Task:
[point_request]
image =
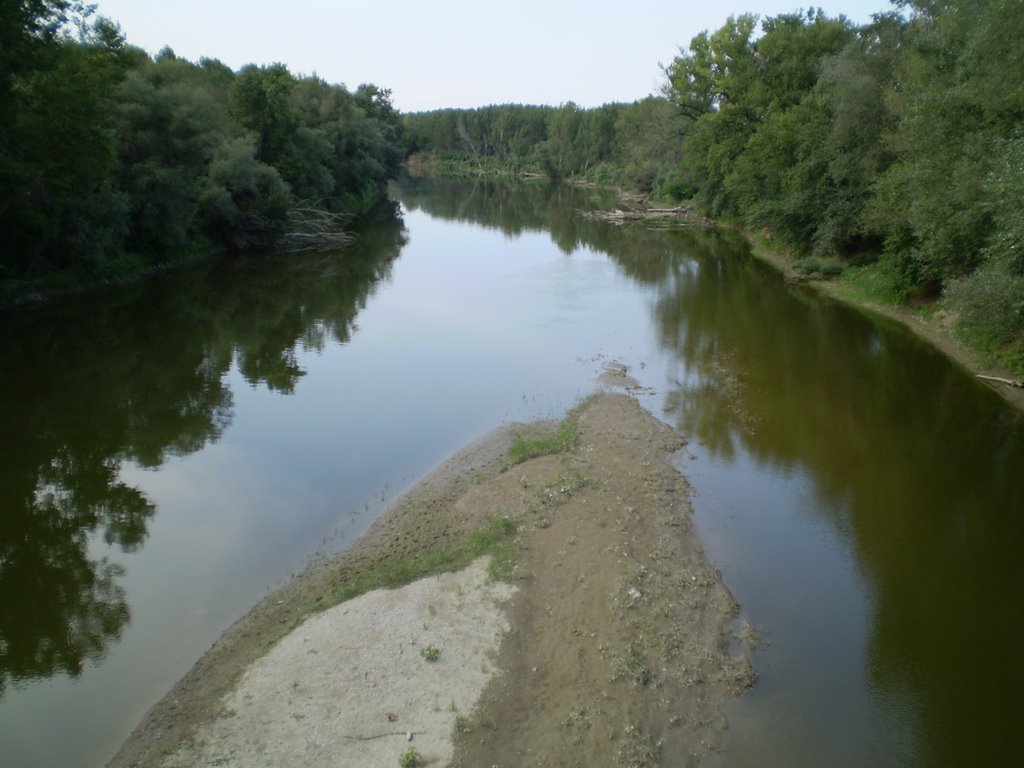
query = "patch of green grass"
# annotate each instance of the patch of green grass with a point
(494, 539)
(868, 283)
(430, 652)
(553, 495)
(813, 265)
(532, 442)
(462, 724)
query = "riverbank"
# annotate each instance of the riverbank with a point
(612, 641)
(935, 325)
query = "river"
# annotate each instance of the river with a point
(175, 449)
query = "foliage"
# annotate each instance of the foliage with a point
(112, 161)
(619, 144)
(533, 443)
(989, 305)
(896, 142)
(811, 265)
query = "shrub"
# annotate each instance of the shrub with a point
(812, 264)
(410, 758)
(989, 310)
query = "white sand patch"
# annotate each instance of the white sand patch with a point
(347, 686)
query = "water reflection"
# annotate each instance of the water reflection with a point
(513, 207)
(912, 463)
(137, 376)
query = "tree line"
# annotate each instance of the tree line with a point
(637, 145)
(112, 161)
(893, 149)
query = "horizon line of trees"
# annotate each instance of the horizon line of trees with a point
(112, 161)
(637, 145)
(896, 146)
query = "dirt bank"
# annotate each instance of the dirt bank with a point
(612, 644)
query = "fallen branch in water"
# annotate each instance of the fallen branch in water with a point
(316, 229)
(1017, 383)
(619, 216)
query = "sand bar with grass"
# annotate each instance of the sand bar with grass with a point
(540, 599)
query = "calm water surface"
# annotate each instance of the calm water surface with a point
(174, 450)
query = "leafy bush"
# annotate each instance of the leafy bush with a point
(410, 758)
(812, 265)
(989, 308)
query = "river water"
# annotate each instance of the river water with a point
(173, 450)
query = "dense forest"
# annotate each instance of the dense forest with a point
(892, 150)
(112, 162)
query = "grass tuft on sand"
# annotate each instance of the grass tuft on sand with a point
(495, 539)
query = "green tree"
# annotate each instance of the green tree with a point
(562, 153)
(169, 123)
(261, 104)
(713, 83)
(58, 206)
(649, 140)
(244, 201)
(779, 179)
(961, 96)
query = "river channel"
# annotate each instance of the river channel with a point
(174, 450)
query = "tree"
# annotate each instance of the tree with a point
(169, 124)
(244, 201)
(713, 84)
(961, 96)
(58, 206)
(260, 104)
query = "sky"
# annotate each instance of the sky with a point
(452, 53)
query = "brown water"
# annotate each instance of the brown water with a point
(173, 450)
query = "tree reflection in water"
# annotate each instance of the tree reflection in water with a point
(138, 375)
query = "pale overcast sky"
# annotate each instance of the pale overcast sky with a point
(452, 53)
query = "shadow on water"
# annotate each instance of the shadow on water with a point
(138, 376)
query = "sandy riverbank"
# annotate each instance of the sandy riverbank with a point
(612, 644)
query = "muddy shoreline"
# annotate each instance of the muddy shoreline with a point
(615, 642)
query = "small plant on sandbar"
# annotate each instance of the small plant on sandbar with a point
(430, 652)
(410, 758)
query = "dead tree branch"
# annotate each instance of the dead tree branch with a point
(1017, 383)
(314, 228)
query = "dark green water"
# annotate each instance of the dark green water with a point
(174, 450)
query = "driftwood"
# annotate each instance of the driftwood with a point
(1016, 383)
(407, 734)
(312, 228)
(664, 216)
